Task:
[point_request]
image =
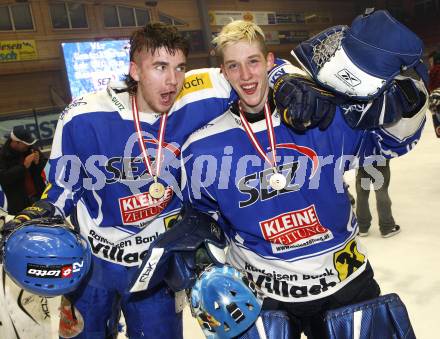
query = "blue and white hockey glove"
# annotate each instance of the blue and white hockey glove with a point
(403, 99)
(302, 104)
(360, 62)
(177, 255)
(365, 67)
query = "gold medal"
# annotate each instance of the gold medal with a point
(156, 190)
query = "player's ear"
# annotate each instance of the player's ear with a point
(270, 60)
(222, 69)
(134, 71)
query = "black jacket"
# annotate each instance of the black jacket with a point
(12, 177)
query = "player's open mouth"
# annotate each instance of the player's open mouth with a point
(249, 88)
(167, 98)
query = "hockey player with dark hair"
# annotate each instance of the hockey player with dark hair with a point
(118, 179)
(281, 199)
(117, 199)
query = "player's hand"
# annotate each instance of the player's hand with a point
(402, 99)
(6, 229)
(302, 104)
(11, 225)
(41, 209)
(175, 256)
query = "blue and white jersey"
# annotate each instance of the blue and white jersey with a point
(298, 243)
(96, 164)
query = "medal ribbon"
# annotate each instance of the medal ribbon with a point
(270, 133)
(146, 158)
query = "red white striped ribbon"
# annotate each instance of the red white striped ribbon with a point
(147, 161)
(270, 133)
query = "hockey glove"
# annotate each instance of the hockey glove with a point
(403, 99)
(177, 255)
(41, 209)
(302, 104)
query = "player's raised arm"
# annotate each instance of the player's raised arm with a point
(373, 77)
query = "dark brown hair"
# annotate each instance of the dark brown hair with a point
(152, 37)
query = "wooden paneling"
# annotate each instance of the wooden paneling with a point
(340, 12)
(27, 91)
(185, 10)
(17, 78)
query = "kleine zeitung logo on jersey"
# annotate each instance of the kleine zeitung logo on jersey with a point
(295, 228)
(143, 206)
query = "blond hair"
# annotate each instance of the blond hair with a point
(236, 31)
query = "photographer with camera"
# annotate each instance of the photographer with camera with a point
(21, 164)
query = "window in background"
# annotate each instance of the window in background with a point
(68, 15)
(16, 17)
(122, 16)
(169, 20)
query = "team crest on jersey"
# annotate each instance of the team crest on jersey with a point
(140, 208)
(348, 260)
(294, 229)
(170, 220)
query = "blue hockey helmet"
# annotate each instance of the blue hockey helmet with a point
(46, 257)
(224, 302)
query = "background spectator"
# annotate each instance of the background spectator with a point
(434, 70)
(364, 178)
(434, 89)
(21, 165)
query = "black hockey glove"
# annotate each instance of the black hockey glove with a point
(41, 209)
(177, 255)
(302, 104)
(401, 100)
